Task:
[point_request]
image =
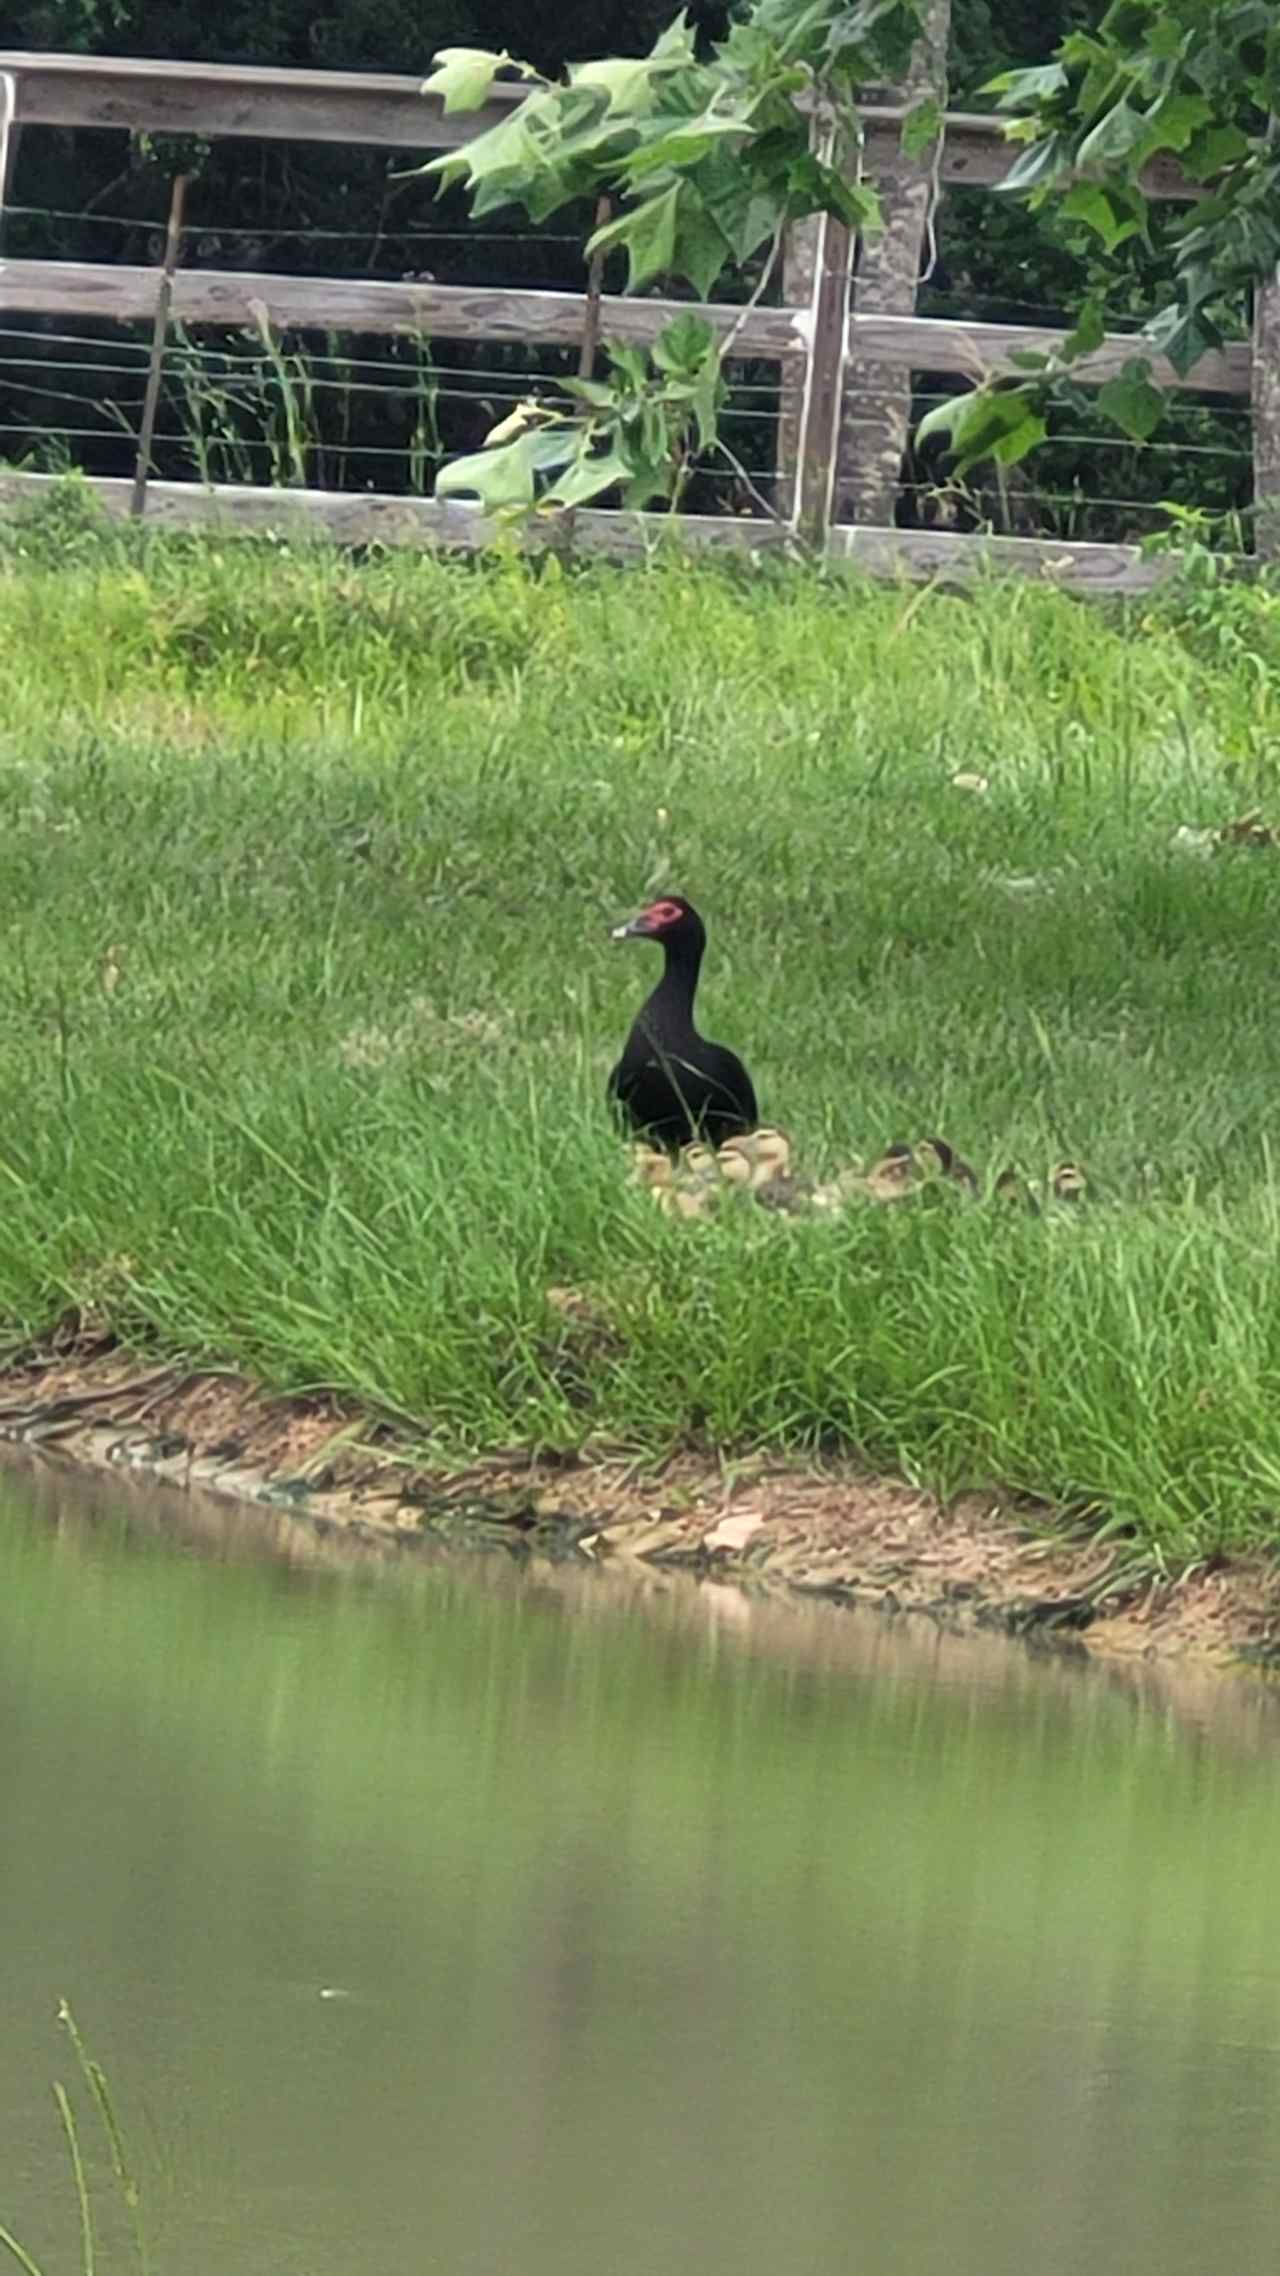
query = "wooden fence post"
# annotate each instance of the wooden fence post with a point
(1265, 394)
(9, 134)
(877, 413)
(172, 248)
(800, 253)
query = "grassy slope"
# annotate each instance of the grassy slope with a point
(354, 837)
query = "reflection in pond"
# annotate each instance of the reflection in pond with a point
(463, 1921)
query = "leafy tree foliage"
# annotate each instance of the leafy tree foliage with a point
(1195, 79)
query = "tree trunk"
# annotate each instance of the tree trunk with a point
(877, 407)
(1265, 389)
(800, 254)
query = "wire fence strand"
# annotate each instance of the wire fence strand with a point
(239, 399)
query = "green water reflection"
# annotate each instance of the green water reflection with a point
(656, 1950)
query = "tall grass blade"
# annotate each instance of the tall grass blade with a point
(69, 2128)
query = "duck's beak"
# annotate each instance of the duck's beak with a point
(635, 928)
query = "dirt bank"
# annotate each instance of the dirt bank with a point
(831, 1533)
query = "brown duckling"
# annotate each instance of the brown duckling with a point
(1011, 1189)
(936, 1158)
(903, 1170)
(893, 1176)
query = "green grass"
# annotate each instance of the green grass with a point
(352, 836)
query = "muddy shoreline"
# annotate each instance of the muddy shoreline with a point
(830, 1534)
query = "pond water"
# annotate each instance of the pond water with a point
(452, 1920)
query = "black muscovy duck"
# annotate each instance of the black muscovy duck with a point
(671, 1086)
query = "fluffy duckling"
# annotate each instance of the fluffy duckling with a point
(834, 1194)
(755, 1156)
(650, 1169)
(759, 1163)
(775, 1185)
(695, 1186)
(683, 1185)
(893, 1177)
(1012, 1190)
(937, 1159)
(903, 1170)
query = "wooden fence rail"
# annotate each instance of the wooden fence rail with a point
(814, 337)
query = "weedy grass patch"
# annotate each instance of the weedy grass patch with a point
(306, 872)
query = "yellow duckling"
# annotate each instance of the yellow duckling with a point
(759, 1162)
(684, 1186)
(694, 1187)
(651, 1169)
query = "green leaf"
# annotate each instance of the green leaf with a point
(650, 482)
(683, 345)
(1081, 49)
(1090, 332)
(1037, 164)
(676, 43)
(1133, 403)
(507, 149)
(942, 419)
(626, 82)
(1116, 137)
(653, 432)
(1101, 211)
(1017, 441)
(706, 402)
(464, 75)
(921, 127)
(702, 250)
(1164, 38)
(628, 362)
(1173, 122)
(590, 391)
(987, 423)
(742, 194)
(1213, 148)
(682, 145)
(631, 84)
(505, 478)
(813, 187)
(855, 203)
(648, 232)
(589, 477)
(1020, 90)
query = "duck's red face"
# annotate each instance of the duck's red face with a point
(660, 918)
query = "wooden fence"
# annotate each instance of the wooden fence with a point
(820, 337)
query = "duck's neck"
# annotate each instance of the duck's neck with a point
(669, 1009)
